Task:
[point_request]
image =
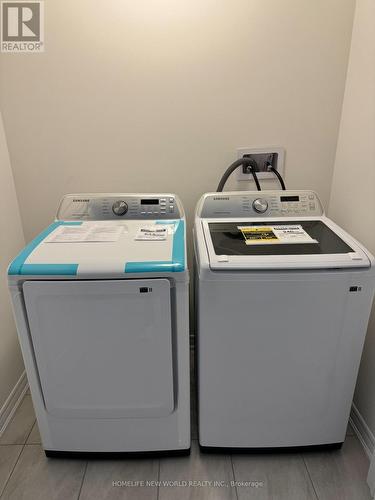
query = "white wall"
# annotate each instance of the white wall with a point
(153, 95)
(11, 242)
(352, 202)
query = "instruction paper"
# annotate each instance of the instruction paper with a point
(155, 232)
(275, 234)
(85, 233)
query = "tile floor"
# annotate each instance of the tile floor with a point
(25, 472)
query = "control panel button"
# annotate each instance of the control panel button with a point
(260, 205)
(120, 207)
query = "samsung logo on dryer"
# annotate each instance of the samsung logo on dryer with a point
(81, 201)
(221, 198)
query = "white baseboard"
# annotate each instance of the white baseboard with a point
(362, 431)
(12, 402)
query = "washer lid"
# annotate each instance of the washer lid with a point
(126, 252)
(287, 243)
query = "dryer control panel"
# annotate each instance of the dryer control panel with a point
(260, 204)
(116, 206)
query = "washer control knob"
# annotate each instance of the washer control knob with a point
(260, 205)
(120, 207)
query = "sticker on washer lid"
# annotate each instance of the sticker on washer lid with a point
(275, 234)
(87, 232)
(156, 232)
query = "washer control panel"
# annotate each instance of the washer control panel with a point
(119, 206)
(260, 204)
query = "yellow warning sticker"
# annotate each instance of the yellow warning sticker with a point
(264, 235)
(257, 234)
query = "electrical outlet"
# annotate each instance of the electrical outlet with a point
(263, 157)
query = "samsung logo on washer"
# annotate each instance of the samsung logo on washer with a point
(81, 201)
(221, 198)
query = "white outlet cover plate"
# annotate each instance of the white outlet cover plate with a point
(262, 175)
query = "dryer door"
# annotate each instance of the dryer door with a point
(103, 349)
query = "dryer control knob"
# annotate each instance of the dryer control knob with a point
(260, 205)
(119, 207)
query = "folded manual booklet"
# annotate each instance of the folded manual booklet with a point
(265, 235)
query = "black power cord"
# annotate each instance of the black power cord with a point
(280, 179)
(245, 162)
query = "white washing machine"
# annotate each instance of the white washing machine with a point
(100, 300)
(283, 298)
